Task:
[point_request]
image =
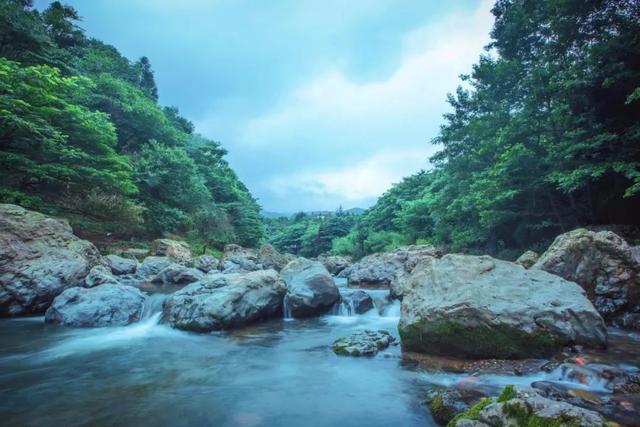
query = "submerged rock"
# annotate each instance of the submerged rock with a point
(177, 274)
(237, 259)
(363, 343)
(480, 307)
(177, 250)
(104, 305)
(335, 264)
(99, 275)
(604, 265)
(120, 265)
(39, 258)
(310, 288)
(528, 259)
(225, 301)
(206, 263)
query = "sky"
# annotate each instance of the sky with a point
(320, 103)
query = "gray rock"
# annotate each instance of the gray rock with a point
(388, 269)
(451, 402)
(152, 265)
(206, 263)
(177, 274)
(99, 275)
(528, 259)
(39, 258)
(335, 264)
(134, 254)
(359, 300)
(120, 265)
(363, 343)
(603, 264)
(310, 288)
(477, 306)
(269, 257)
(225, 301)
(104, 305)
(237, 259)
(178, 251)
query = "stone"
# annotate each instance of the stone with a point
(335, 264)
(237, 259)
(120, 265)
(363, 343)
(135, 254)
(310, 288)
(604, 265)
(206, 263)
(480, 307)
(152, 265)
(40, 257)
(225, 301)
(103, 305)
(528, 259)
(178, 251)
(99, 275)
(177, 274)
(359, 300)
(451, 402)
(269, 257)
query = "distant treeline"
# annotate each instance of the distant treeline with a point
(82, 135)
(544, 136)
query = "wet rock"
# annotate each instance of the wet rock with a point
(310, 288)
(269, 257)
(335, 264)
(177, 274)
(480, 307)
(99, 275)
(388, 269)
(528, 259)
(152, 265)
(226, 301)
(177, 250)
(629, 385)
(451, 402)
(120, 265)
(206, 263)
(604, 265)
(237, 259)
(363, 343)
(39, 258)
(104, 305)
(359, 300)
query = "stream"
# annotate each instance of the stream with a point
(282, 372)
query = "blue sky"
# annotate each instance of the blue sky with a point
(320, 103)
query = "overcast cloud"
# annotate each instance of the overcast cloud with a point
(320, 103)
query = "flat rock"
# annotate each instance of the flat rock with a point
(363, 343)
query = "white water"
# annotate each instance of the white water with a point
(286, 309)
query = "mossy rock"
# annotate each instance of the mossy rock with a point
(363, 343)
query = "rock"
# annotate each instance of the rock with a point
(359, 301)
(104, 305)
(451, 402)
(152, 265)
(603, 264)
(237, 259)
(525, 407)
(269, 257)
(528, 259)
(635, 251)
(134, 254)
(99, 275)
(480, 307)
(363, 343)
(177, 274)
(629, 385)
(206, 263)
(177, 250)
(310, 288)
(225, 301)
(120, 266)
(335, 264)
(39, 258)
(388, 269)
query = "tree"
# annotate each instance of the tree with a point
(147, 82)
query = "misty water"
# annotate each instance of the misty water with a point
(281, 372)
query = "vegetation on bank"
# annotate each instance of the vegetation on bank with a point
(82, 136)
(544, 137)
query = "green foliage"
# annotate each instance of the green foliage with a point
(508, 393)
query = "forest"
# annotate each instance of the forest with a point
(82, 136)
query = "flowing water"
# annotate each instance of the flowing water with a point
(276, 373)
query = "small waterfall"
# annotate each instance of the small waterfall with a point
(344, 307)
(286, 310)
(152, 305)
(391, 310)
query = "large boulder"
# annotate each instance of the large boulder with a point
(335, 264)
(177, 274)
(225, 301)
(237, 259)
(480, 307)
(605, 266)
(104, 305)
(269, 257)
(387, 269)
(120, 265)
(177, 250)
(310, 288)
(39, 258)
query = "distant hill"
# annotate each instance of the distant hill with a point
(271, 214)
